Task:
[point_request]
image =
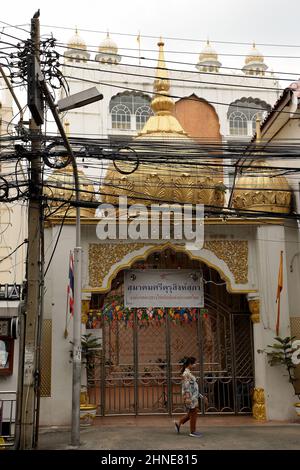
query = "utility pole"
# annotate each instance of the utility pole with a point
(28, 395)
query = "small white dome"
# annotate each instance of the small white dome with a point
(108, 51)
(76, 42)
(208, 59)
(254, 55)
(108, 46)
(208, 53)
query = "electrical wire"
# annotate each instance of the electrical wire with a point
(15, 26)
(57, 239)
(174, 38)
(19, 246)
(183, 52)
(139, 90)
(171, 79)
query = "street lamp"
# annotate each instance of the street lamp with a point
(79, 99)
(74, 101)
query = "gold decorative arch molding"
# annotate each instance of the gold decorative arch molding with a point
(228, 257)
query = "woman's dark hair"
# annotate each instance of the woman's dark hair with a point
(188, 361)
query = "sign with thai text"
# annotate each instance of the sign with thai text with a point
(163, 288)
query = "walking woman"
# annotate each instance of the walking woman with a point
(190, 394)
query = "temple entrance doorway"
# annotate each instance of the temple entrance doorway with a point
(143, 349)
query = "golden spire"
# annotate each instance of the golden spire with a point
(163, 123)
(162, 104)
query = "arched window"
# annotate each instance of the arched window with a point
(142, 115)
(238, 123)
(136, 106)
(242, 114)
(120, 117)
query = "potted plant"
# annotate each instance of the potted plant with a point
(91, 351)
(285, 352)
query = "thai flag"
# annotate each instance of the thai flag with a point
(71, 284)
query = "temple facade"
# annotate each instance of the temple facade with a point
(142, 344)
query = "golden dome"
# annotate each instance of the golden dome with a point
(260, 191)
(254, 56)
(76, 42)
(150, 184)
(108, 46)
(60, 184)
(164, 182)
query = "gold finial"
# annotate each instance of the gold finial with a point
(162, 104)
(258, 131)
(67, 128)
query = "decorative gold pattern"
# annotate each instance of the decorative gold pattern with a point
(254, 309)
(154, 187)
(85, 306)
(61, 185)
(161, 184)
(183, 188)
(260, 191)
(259, 407)
(235, 254)
(103, 256)
(46, 357)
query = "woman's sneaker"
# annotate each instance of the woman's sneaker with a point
(177, 427)
(196, 434)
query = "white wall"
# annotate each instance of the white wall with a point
(220, 89)
(278, 392)
(56, 410)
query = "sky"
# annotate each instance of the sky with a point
(262, 21)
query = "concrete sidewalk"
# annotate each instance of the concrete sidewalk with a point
(150, 433)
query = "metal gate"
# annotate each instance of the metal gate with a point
(139, 372)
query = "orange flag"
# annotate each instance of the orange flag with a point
(139, 42)
(279, 289)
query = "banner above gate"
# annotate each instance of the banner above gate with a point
(163, 288)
